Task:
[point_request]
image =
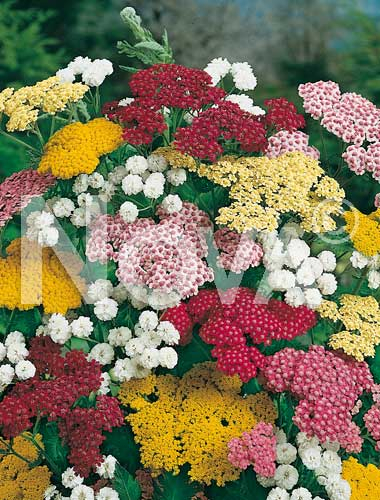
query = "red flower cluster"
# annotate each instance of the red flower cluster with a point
(328, 388)
(82, 430)
(226, 122)
(175, 86)
(140, 122)
(282, 115)
(51, 393)
(227, 319)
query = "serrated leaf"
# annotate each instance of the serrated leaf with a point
(125, 484)
(150, 45)
(170, 487)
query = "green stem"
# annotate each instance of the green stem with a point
(7, 330)
(53, 466)
(52, 126)
(19, 141)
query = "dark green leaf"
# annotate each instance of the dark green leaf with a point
(179, 487)
(53, 445)
(126, 485)
(121, 445)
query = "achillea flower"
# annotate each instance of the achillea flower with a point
(257, 448)
(239, 252)
(76, 148)
(191, 420)
(21, 283)
(264, 188)
(287, 142)
(364, 231)
(364, 480)
(327, 387)
(18, 189)
(360, 317)
(17, 480)
(50, 96)
(282, 115)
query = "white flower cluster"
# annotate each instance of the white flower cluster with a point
(146, 175)
(322, 459)
(40, 228)
(99, 293)
(58, 328)
(93, 73)
(14, 351)
(242, 73)
(144, 350)
(292, 270)
(245, 103)
(74, 482)
(87, 205)
(360, 261)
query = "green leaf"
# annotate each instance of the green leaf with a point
(195, 352)
(126, 485)
(246, 488)
(121, 444)
(53, 445)
(150, 45)
(79, 345)
(129, 69)
(170, 487)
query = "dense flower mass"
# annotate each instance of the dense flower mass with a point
(18, 189)
(17, 479)
(257, 448)
(364, 480)
(76, 148)
(360, 317)
(327, 387)
(180, 224)
(50, 96)
(158, 263)
(31, 276)
(228, 317)
(191, 420)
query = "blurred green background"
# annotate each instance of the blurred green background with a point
(286, 41)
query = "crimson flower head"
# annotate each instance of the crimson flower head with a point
(176, 86)
(282, 115)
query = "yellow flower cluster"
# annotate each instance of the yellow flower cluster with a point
(76, 148)
(50, 96)
(364, 231)
(261, 189)
(17, 480)
(27, 266)
(176, 159)
(191, 420)
(360, 317)
(364, 481)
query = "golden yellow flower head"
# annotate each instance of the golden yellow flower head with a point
(50, 96)
(262, 189)
(364, 231)
(191, 420)
(364, 480)
(76, 148)
(17, 480)
(20, 284)
(360, 317)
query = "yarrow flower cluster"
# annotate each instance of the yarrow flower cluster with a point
(93, 73)
(228, 317)
(191, 420)
(360, 317)
(292, 269)
(327, 387)
(24, 105)
(14, 365)
(350, 117)
(159, 264)
(18, 190)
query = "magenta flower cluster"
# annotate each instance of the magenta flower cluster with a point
(327, 387)
(257, 448)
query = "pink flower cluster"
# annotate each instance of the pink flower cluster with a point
(372, 422)
(166, 256)
(238, 251)
(257, 448)
(349, 116)
(286, 142)
(18, 189)
(328, 388)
